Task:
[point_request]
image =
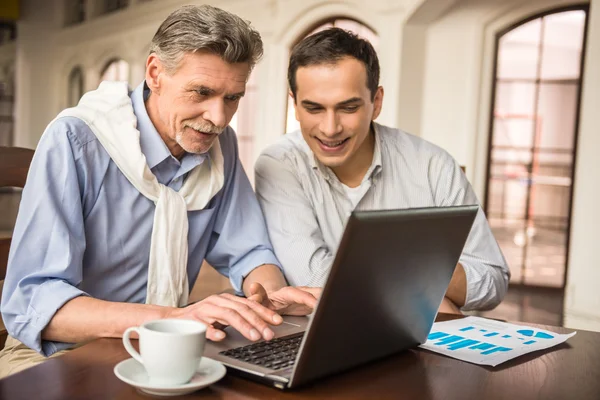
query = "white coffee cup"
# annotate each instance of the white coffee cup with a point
(170, 349)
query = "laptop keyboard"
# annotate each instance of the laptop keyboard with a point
(275, 354)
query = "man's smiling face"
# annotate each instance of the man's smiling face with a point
(335, 108)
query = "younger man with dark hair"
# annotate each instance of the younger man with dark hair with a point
(340, 160)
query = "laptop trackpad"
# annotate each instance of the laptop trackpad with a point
(289, 326)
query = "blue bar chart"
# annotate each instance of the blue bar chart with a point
(487, 342)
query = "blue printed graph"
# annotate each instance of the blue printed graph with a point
(456, 342)
(531, 333)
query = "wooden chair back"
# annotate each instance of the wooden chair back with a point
(14, 165)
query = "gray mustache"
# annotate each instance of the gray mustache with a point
(208, 128)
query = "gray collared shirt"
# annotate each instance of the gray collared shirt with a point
(306, 206)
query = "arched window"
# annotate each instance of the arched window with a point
(75, 86)
(115, 70)
(533, 138)
(74, 12)
(344, 23)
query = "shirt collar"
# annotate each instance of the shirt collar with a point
(375, 164)
(152, 145)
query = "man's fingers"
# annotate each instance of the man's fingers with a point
(256, 297)
(261, 309)
(216, 335)
(229, 316)
(315, 291)
(258, 292)
(244, 310)
(295, 295)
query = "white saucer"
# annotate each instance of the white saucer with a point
(132, 372)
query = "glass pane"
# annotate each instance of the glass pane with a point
(546, 257)
(518, 52)
(562, 43)
(550, 203)
(513, 132)
(6, 111)
(557, 114)
(117, 70)
(514, 160)
(509, 234)
(75, 12)
(514, 109)
(75, 86)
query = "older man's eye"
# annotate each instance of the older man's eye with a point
(202, 92)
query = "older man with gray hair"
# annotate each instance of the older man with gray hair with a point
(129, 192)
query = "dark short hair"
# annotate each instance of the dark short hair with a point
(328, 47)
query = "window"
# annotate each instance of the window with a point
(75, 12)
(115, 70)
(7, 102)
(533, 142)
(350, 25)
(8, 32)
(75, 86)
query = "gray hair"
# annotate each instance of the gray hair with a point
(206, 28)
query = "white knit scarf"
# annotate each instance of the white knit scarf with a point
(109, 114)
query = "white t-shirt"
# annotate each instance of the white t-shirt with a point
(355, 194)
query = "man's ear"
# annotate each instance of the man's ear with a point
(154, 70)
(377, 103)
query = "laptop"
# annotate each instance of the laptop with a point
(388, 279)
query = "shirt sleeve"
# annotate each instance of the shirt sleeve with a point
(485, 267)
(45, 260)
(239, 242)
(293, 226)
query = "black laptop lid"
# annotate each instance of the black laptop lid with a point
(390, 274)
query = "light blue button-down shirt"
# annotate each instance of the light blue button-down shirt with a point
(83, 229)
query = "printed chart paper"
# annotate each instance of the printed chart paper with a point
(488, 342)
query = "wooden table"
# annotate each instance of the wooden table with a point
(569, 371)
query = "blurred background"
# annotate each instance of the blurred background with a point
(510, 88)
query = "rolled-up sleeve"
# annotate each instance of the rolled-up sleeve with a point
(486, 270)
(45, 259)
(240, 242)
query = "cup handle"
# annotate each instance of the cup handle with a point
(128, 346)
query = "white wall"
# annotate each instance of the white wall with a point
(583, 297)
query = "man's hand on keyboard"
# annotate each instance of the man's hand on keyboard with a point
(250, 318)
(288, 300)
